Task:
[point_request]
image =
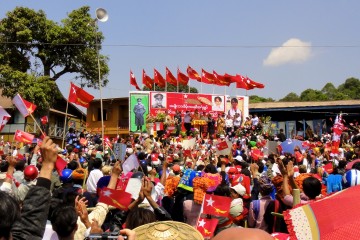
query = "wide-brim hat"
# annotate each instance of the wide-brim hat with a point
(167, 230)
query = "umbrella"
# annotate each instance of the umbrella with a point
(350, 164)
(333, 217)
(289, 144)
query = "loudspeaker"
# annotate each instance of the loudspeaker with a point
(101, 15)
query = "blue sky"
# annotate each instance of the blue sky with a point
(244, 37)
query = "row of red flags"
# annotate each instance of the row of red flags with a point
(183, 79)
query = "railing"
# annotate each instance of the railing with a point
(54, 131)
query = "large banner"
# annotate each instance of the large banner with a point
(139, 108)
(155, 102)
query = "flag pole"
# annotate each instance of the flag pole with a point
(65, 123)
(177, 83)
(225, 90)
(37, 125)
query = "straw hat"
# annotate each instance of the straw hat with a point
(167, 230)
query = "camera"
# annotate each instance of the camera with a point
(105, 235)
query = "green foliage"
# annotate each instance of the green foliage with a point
(351, 88)
(291, 97)
(313, 95)
(171, 88)
(257, 99)
(37, 51)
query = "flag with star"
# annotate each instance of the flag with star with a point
(207, 226)
(147, 81)
(159, 79)
(133, 81)
(182, 78)
(241, 82)
(207, 77)
(193, 74)
(4, 117)
(79, 96)
(170, 77)
(24, 137)
(25, 108)
(216, 205)
(221, 80)
(116, 198)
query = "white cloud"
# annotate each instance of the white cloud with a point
(292, 51)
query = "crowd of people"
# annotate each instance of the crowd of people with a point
(42, 200)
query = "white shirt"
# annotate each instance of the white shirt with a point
(237, 121)
(232, 112)
(93, 179)
(187, 118)
(229, 123)
(255, 121)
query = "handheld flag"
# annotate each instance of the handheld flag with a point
(119, 199)
(216, 205)
(4, 117)
(21, 136)
(207, 226)
(44, 120)
(25, 108)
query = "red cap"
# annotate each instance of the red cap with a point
(176, 168)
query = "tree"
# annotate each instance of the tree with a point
(312, 95)
(35, 52)
(172, 88)
(257, 99)
(291, 97)
(350, 88)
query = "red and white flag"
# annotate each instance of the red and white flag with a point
(79, 96)
(4, 117)
(21, 136)
(133, 81)
(117, 198)
(216, 205)
(207, 226)
(25, 108)
(130, 163)
(44, 120)
(222, 145)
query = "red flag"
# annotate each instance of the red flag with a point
(117, 198)
(44, 120)
(193, 74)
(216, 205)
(241, 83)
(159, 79)
(133, 81)
(4, 117)
(25, 108)
(170, 77)
(79, 96)
(256, 154)
(147, 81)
(182, 78)
(24, 137)
(60, 165)
(83, 141)
(253, 83)
(207, 77)
(207, 226)
(222, 145)
(221, 80)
